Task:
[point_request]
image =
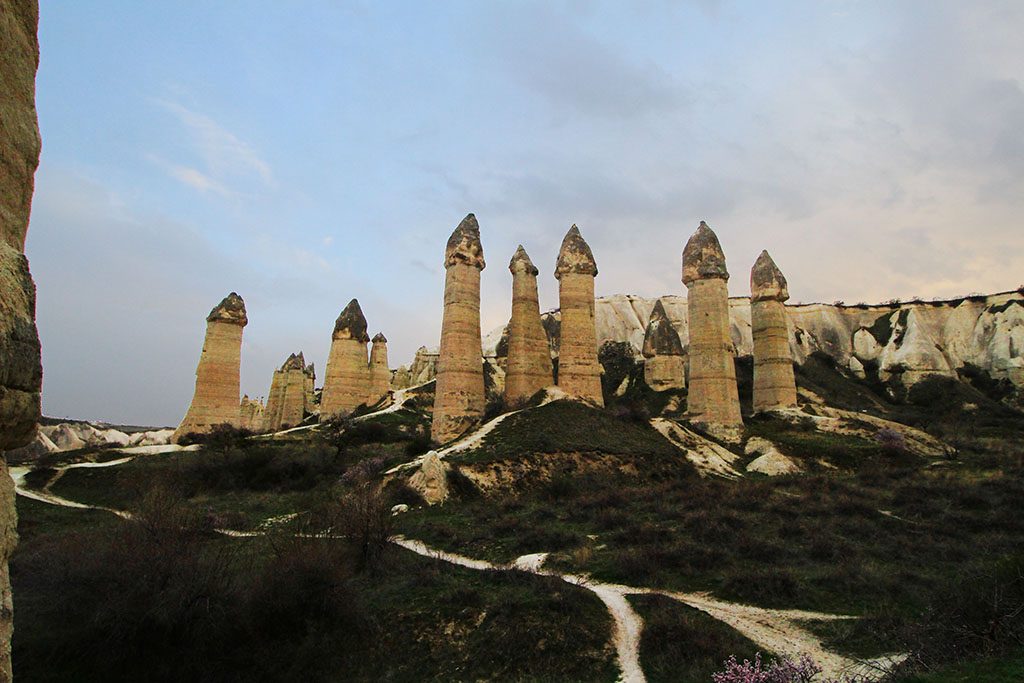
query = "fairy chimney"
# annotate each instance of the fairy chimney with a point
(251, 414)
(579, 372)
(528, 368)
(21, 372)
(459, 393)
(286, 403)
(380, 374)
(215, 400)
(347, 379)
(712, 395)
(664, 362)
(310, 384)
(774, 384)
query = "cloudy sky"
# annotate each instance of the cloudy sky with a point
(306, 153)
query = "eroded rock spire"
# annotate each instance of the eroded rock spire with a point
(664, 363)
(579, 372)
(529, 359)
(347, 377)
(774, 382)
(380, 374)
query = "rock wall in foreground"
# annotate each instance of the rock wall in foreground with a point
(20, 368)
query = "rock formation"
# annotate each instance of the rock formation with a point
(251, 414)
(310, 385)
(286, 402)
(217, 377)
(713, 396)
(431, 479)
(528, 369)
(459, 394)
(20, 368)
(347, 379)
(579, 372)
(774, 384)
(664, 361)
(380, 374)
(422, 370)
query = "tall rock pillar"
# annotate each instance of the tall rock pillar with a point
(347, 378)
(664, 362)
(459, 394)
(712, 395)
(286, 404)
(774, 384)
(380, 373)
(529, 360)
(217, 377)
(579, 372)
(21, 372)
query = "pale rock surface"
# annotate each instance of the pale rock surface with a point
(422, 370)
(38, 447)
(286, 402)
(579, 372)
(154, 437)
(20, 366)
(251, 413)
(769, 460)
(216, 397)
(774, 382)
(431, 479)
(459, 398)
(528, 368)
(380, 374)
(347, 378)
(67, 438)
(712, 395)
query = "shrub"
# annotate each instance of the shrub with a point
(220, 437)
(891, 441)
(777, 671)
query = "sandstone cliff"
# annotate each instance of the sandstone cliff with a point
(20, 368)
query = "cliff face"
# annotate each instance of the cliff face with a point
(20, 368)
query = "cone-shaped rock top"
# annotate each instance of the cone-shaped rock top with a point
(351, 324)
(464, 245)
(294, 362)
(703, 256)
(230, 310)
(379, 338)
(310, 370)
(521, 263)
(575, 255)
(661, 338)
(767, 281)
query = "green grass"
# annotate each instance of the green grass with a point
(1005, 669)
(680, 644)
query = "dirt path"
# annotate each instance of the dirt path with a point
(776, 630)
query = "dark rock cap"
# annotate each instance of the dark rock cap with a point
(379, 338)
(464, 245)
(521, 263)
(703, 256)
(230, 310)
(767, 281)
(294, 362)
(351, 324)
(661, 338)
(310, 370)
(575, 255)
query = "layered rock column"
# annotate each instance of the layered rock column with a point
(286, 404)
(217, 390)
(528, 368)
(459, 394)
(774, 383)
(251, 414)
(380, 373)
(712, 396)
(310, 384)
(20, 368)
(664, 362)
(579, 372)
(347, 378)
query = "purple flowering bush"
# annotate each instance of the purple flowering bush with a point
(785, 670)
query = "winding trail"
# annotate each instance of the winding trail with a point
(777, 630)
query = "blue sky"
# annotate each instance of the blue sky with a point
(306, 153)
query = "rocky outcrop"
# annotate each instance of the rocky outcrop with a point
(422, 370)
(216, 397)
(310, 386)
(459, 394)
(20, 368)
(286, 402)
(347, 378)
(767, 458)
(251, 414)
(579, 372)
(528, 368)
(712, 395)
(774, 383)
(664, 359)
(431, 479)
(380, 374)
